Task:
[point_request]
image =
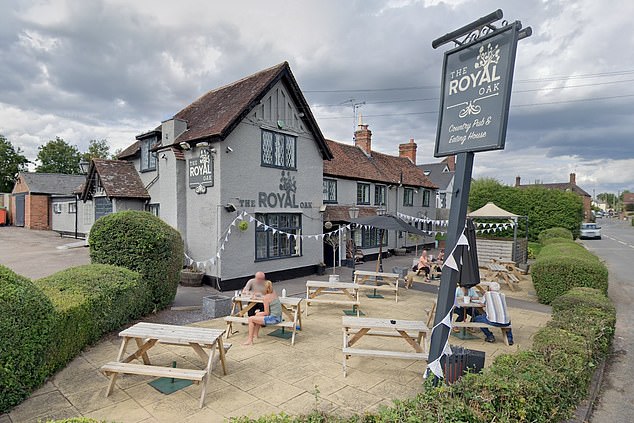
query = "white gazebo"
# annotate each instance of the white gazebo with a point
(496, 249)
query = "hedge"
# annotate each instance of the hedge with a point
(555, 234)
(144, 243)
(26, 316)
(564, 265)
(89, 301)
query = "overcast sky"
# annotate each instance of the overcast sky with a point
(84, 69)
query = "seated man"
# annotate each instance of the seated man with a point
(495, 313)
(255, 287)
(466, 311)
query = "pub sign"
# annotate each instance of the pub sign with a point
(476, 92)
(201, 170)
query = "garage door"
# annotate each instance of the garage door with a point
(19, 209)
(103, 206)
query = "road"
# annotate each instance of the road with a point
(617, 393)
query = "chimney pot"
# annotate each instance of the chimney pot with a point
(408, 150)
(573, 179)
(363, 138)
(518, 181)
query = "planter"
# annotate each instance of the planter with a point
(191, 278)
(216, 306)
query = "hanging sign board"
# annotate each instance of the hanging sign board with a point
(476, 92)
(201, 170)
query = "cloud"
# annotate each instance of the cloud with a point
(114, 68)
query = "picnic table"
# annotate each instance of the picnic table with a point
(355, 328)
(463, 334)
(511, 266)
(502, 274)
(464, 324)
(350, 292)
(291, 310)
(381, 281)
(148, 335)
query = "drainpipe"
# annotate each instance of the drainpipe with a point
(76, 212)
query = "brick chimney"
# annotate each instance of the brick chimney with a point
(573, 179)
(408, 150)
(363, 138)
(518, 181)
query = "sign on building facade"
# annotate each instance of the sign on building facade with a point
(201, 171)
(476, 92)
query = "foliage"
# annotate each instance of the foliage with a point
(534, 249)
(564, 265)
(144, 243)
(97, 149)
(551, 233)
(545, 208)
(89, 301)
(57, 156)
(12, 161)
(609, 198)
(25, 321)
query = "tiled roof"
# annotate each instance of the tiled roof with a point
(130, 151)
(119, 179)
(562, 186)
(628, 197)
(336, 213)
(351, 162)
(51, 183)
(214, 115)
(437, 175)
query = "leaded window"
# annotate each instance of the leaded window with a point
(363, 193)
(379, 195)
(330, 190)
(408, 197)
(426, 197)
(279, 150)
(277, 244)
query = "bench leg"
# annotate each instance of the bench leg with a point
(504, 335)
(203, 391)
(113, 379)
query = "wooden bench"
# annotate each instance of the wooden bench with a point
(413, 277)
(355, 328)
(504, 329)
(141, 369)
(379, 281)
(291, 310)
(317, 288)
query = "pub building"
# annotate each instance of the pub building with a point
(240, 174)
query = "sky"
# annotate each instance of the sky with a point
(93, 69)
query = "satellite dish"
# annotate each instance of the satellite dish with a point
(328, 225)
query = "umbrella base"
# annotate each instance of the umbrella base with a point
(464, 335)
(375, 296)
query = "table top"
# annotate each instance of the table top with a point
(292, 301)
(326, 284)
(497, 267)
(172, 333)
(372, 323)
(378, 274)
(469, 305)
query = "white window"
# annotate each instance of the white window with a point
(279, 150)
(148, 157)
(57, 208)
(72, 208)
(363, 193)
(330, 190)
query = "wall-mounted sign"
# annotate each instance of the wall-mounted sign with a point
(283, 199)
(201, 171)
(476, 92)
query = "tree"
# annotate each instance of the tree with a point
(12, 161)
(57, 156)
(97, 149)
(609, 198)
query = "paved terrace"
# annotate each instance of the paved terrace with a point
(271, 376)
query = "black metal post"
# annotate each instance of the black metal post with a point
(449, 278)
(76, 212)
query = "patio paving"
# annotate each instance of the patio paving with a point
(269, 377)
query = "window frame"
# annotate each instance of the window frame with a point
(154, 209)
(58, 208)
(296, 245)
(72, 208)
(273, 150)
(383, 189)
(147, 155)
(407, 203)
(426, 197)
(364, 186)
(326, 191)
(369, 238)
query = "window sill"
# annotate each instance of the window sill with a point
(278, 167)
(147, 170)
(276, 258)
(329, 202)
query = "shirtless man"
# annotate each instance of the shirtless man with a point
(255, 287)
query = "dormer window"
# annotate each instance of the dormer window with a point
(148, 157)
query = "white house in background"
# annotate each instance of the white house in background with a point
(251, 146)
(358, 176)
(442, 174)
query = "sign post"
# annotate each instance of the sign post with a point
(476, 92)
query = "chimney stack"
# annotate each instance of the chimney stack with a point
(363, 138)
(573, 179)
(518, 181)
(408, 150)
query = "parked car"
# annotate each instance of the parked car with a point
(590, 231)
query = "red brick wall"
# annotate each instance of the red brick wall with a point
(37, 212)
(587, 209)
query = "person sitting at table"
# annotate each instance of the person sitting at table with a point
(495, 313)
(462, 312)
(423, 265)
(271, 315)
(255, 287)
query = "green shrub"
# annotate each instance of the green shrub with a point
(25, 321)
(517, 387)
(565, 265)
(567, 354)
(144, 243)
(583, 297)
(554, 233)
(89, 301)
